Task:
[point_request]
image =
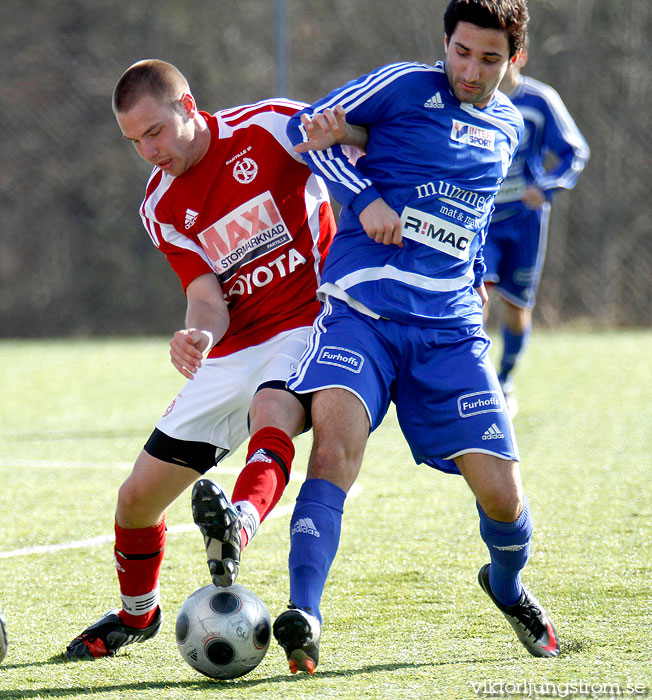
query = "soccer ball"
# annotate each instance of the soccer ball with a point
(223, 632)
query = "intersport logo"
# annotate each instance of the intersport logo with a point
(244, 234)
(473, 135)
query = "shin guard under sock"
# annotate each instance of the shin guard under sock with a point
(314, 538)
(509, 548)
(514, 345)
(138, 559)
(263, 479)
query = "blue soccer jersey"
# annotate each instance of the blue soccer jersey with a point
(516, 245)
(439, 163)
(549, 131)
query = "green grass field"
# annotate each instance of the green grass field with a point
(404, 616)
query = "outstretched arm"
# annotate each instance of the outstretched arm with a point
(328, 128)
(365, 102)
(380, 222)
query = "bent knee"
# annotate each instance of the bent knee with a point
(278, 409)
(133, 509)
(502, 507)
(336, 454)
(334, 464)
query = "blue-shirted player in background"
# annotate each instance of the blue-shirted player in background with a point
(3, 637)
(402, 316)
(516, 244)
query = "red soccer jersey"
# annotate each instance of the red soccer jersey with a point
(251, 212)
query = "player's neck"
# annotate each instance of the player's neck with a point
(510, 83)
(202, 137)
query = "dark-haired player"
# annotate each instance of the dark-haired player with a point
(402, 320)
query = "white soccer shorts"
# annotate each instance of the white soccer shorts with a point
(213, 407)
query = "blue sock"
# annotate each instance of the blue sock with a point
(514, 345)
(314, 538)
(509, 548)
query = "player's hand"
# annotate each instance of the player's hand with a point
(482, 293)
(382, 223)
(533, 197)
(328, 128)
(186, 351)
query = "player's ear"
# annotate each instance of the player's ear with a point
(515, 59)
(188, 102)
(522, 59)
(445, 43)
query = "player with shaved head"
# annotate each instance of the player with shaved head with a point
(245, 225)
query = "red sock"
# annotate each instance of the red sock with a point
(266, 472)
(138, 559)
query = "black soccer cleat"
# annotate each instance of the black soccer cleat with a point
(108, 634)
(530, 621)
(298, 632)
(220, 525)
(4, 640)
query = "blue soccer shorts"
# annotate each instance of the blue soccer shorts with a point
(447, 396)
(514, 253)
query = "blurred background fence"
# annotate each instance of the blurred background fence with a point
(74, 259)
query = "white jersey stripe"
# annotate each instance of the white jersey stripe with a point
(236, 113)
(328, 169)
(567, 129)
(315, 193)
(312, 345)
(361, 96)
(388, 272)
(329, 158)
(357, 94)
(148, 227)
(565, 126)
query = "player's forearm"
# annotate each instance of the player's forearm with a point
(206, 322)
(355, 136)
(209, 316)
(206, 309)
(343, 178)
(322, 130)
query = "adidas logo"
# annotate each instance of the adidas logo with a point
(435, 102)
(492, 433)
(193, 654)
(260, 456)
(305, 526)
(191, 217)
(511, 547)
